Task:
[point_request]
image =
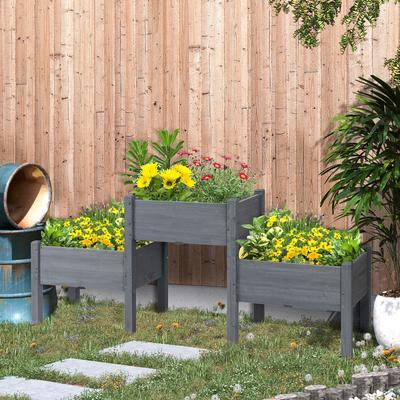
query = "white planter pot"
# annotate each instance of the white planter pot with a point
(387, 321)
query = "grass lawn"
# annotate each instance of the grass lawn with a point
(275, 361)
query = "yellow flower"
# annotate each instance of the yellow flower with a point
(86, 242)
(182, 169)
(67, 224)
(313, 256)
(33, 345)
(169, 177)
(120, 248)
(175, 324)
(149, 170)
(337, 235)
(187, 181)
(159, 327)
(294, 344)
(271, 220)
(143, 181)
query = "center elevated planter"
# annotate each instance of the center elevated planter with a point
(218, 224)
(342, 288)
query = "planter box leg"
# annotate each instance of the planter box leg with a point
(37, 287)
(129, 266)
(257, 312)
(73, 294)
(346, 309)
(162, 283)
(231, 260)
(365, 303)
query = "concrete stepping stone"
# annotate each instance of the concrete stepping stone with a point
(97, 370)
(156, 349)
(39, 390)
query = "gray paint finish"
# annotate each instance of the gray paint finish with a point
(156, 349)
(98, 370)
(39, 390)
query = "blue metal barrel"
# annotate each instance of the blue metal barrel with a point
(25, 195)
(15, 276)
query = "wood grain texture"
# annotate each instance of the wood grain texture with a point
(80, 78)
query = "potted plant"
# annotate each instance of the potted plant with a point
(300, 263)
(363, 168)
(183, 197)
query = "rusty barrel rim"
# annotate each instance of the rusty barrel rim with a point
(5, 205)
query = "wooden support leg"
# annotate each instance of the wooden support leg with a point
(129, 266)
(346, 308)
(73, 294)
(257, 312)
(162, 283)
(37, 287)
(231, 254)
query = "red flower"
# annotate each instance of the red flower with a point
(225, 166)
(207, 177)
(243, 176)
(217, 165)
(183, 153)
(207, 158)
(195, 150)
(226, 157)
(244, 165)
(197, 163)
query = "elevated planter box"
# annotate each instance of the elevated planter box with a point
(314, 287)
(193, 223)
(94, 269)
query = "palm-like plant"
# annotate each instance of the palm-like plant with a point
(363, 167)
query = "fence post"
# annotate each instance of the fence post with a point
(365, 302)
(129, 265)
(346, 309)
(37, 287)
(231, 261)
(258, 310)
(73, 294)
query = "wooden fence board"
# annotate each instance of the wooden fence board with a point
(79, 79)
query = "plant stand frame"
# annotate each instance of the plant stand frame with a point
(345, 289)
(192, 223)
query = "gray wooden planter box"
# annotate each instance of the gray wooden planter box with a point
(194, 223)
(325, 288)
(94, 269)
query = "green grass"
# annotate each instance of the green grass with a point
(264, 366)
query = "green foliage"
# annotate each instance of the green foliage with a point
(394, 67)
(167, 149)
(363, 167)
(137, 155)
(278, 237)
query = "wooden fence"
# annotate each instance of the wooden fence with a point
(80, 78)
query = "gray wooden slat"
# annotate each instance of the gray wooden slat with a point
(97, 269)
(232, 284)
(346, 310)
(247, 210)
(183, 222)
(317, 287)
(130, 265)
(36, 286)
(148, 264)
(360, 275)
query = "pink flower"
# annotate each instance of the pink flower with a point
(217, 165)
(207, 158)
(244, 165)
(243, 176)
(197, 163)
(207, 177)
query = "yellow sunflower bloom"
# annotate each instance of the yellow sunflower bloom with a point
(143, 181)
(187, 181)
(149, 170)
(169, 176)
(183, 170)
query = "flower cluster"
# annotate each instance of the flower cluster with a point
(279, 237)
(168, 184)
(379, 395)
(98, 228)
(219, 179)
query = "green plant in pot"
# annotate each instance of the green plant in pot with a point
(363, 168)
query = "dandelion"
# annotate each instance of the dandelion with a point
(159, 327)
(308, 333)
(176, 324)
(382, 367)
(250, 336)
(215, 397)
(358, 344)
(367, 337)
(364, 355)
(308, 378)
(357, 369)
(375, 368)
(341, 373)
(193, 396)
(237, 388)
(294, 344)
(33, 345)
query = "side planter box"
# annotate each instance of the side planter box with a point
(193, 223)
(95, 269)
(324, 288)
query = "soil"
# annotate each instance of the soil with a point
(391, 293)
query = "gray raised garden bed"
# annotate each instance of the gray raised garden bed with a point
(194, 223)
(345, 289)
(97, 269)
